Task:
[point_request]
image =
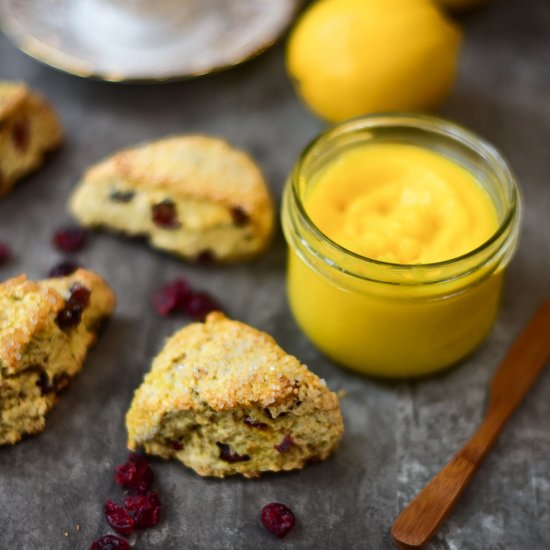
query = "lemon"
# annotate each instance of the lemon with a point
(351, 57)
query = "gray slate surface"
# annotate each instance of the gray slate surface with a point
(398, 434)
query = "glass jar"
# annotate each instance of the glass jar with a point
(396, 320)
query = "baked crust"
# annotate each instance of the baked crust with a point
(224, 383)
(38, 357)
(220, 197)
(28, 130)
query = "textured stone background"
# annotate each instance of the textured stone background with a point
(398, 435)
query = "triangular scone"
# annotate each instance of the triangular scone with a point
(28, 129)
(224, 398)
(45, 330)
(194, 196)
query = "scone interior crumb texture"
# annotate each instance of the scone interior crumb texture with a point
(193, 196)
(224, 398)
(28, 129)
(46, 328)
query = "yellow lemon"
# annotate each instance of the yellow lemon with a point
(351, 57)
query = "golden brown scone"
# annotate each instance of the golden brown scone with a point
(224, 398)
(46, 329)
(28, 129)
(194, 196)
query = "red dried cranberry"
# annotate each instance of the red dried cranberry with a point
(164, 214)
(135, 474)
(254, 423)
(110, 542)
(278, 519)
(21, 135)
(206, 257)
(71, 314)
(5, 253)
(200, 304)
(70, 239)
(171, 297)
(240, 216)
(176, 445)
(80, 294)
(146, 509)
(118, 518)
(229, 456)
(285, 444)
(63, 269)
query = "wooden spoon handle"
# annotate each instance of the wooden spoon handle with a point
(419, 521)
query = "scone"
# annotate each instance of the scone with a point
(194, 196)
(224, 398)
(28, 129)
(45, 330)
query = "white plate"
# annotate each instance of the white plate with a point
(132, 40)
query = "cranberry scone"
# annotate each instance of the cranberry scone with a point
(224, 398)
(46, 328)
(193, 196)
(28, 129)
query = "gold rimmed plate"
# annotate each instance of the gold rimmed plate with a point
(144, 40)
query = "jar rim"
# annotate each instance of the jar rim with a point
(431, 124)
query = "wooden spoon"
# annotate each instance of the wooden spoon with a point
(419, 521)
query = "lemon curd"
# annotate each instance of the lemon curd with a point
(401, 204)
(399, 229)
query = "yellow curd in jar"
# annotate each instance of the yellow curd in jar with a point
(401, 204)
(396, 250)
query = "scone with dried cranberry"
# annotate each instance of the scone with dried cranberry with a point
(28, 129)
(194, 196)
(46, 328)
(224, 398)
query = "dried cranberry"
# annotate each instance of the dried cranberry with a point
(146, 509)
(164, 214)
(199, 305)
(171, 297)
(121, 196)
(70, 239)
(80, 294)
(176, 445)
(63, 269)
(71, 314)
(110, 542)
(118, 517)
(178, 296)
(278, 519)
(240, 216)
(285, 444)
(206, 257)
(229, 456)
(21, 135)
(5, 253)
(135, 474)
(254, 423)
